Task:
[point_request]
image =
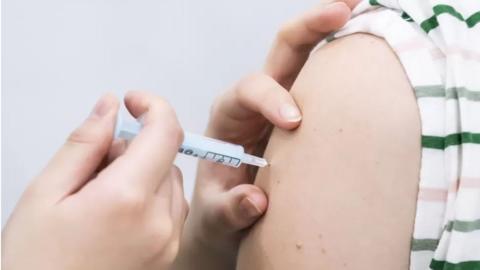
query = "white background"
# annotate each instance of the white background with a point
(59, 56)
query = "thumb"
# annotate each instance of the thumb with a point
(242, 206)
(77, 160)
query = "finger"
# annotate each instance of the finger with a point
(350, 3)
(297, 38)
(241, 206)
(260, 94)
(178, 206)
(117, 149)
(170, 202)
(150, 155)
(76, 161)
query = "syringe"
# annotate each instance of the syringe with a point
(198, 146)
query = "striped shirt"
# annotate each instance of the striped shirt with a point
(438, 44)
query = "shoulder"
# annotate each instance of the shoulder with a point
(355, 155)
(357, 81)
(349, 172)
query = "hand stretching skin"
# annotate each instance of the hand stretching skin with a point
(82, 213)
(225, 201)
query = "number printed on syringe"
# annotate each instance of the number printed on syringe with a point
(218, 158)
(223, 159)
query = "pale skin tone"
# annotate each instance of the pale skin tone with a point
(225, 201)
(342, 187)
(99, 206)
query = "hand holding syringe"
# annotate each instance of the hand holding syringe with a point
(198, 146)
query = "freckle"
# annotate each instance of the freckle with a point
(340, 130)
(324, 251)
(344, 264)
(320, 236)
(299, 245)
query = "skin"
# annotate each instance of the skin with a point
(342, 188)
(225, 201)
(98, 205)
(133, 229)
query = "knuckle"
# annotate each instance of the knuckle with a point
(285, 31)
(161, 102)
(161, 243)
(161, 107)
(88, 133)
(162, 231)
(172, 251)
(248, 84)
(167, 228)
(167, 120)
(129, 200)
(80, 135)
(173, 131)
(166, 252)
(174, 128)
(250, 80)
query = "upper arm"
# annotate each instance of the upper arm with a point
(342, 188)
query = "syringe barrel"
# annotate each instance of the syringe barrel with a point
(193, 145)
(211, 149)
(126, 129)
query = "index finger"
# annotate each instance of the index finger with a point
(150, 155)
(296, 39)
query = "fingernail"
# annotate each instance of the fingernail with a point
(249, 208)
(102, 107)
(290, 113)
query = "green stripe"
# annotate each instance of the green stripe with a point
(473, 20)
(374, 3)
(450, 93)
(424, 244)
(432, 22)
(463, 226)
(462, 92)
(444, 265)
(441, 9)
(406, 17)
(429, 24)
(436, 142)
(330, 38)
(430, 91)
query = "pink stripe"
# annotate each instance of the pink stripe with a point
(436, 54)
(467, 54)
(465, 183)
(415, 44)
(441, 195)
(432, 194)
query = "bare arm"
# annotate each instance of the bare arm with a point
(225, 202)
(342, 188)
